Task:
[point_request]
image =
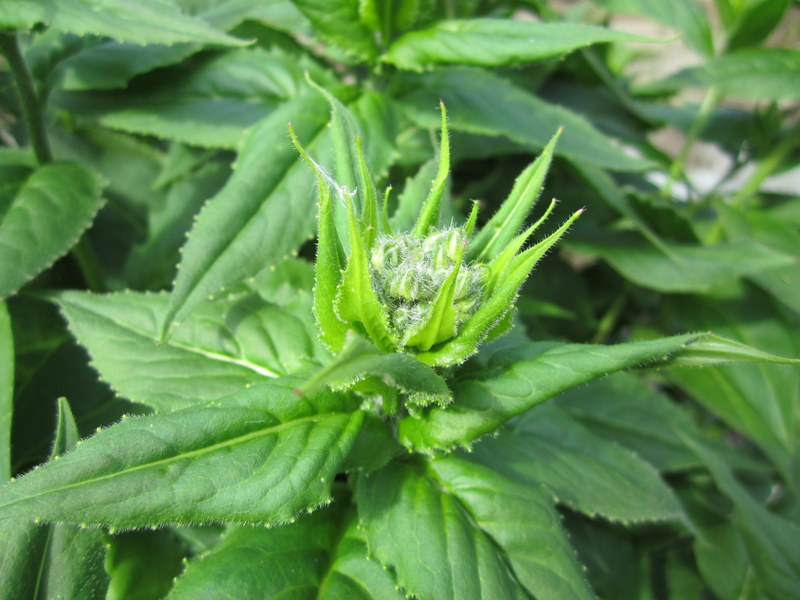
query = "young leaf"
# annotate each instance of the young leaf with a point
(223, 347)
(264, 212)
(259, 456)
(359, 359)
(522, 520)
(502, 227)
(142, 22)
(495, 42)
(51, 210)
(428, 538)
(591, 475)
(143, 564)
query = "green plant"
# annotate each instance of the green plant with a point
(310, 387)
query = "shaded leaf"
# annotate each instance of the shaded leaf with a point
(6, 390)
(594, 476)
(142, 21)
(472, 98)
(50, 212)
(143, 564)
(339, 21)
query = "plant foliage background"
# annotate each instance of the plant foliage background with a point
(634, 435)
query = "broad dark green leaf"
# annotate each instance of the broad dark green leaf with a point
(6, 391)
(523, 522)
(143, 564)
(722, 560)
(53, 561)
(209, 101)
(321, 556)
(494, 42)
(686, 268)
(338, 21)
(685, 16)
(225, 346)
(259, 456)
(50, 212)
(583, 471)
(755, 20)
(487, 401)
(264, 212)
(760, 400)
(139, 21)
(624, 409)
(430, 540)
(759, 73)
(772, 542)
(473, 98)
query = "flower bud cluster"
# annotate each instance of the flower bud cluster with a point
(408, 271)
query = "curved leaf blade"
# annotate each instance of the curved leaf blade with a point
(224, 347)
(51, 210)
(264, 212)
(495, 42)
(259, 456)
(425, 534)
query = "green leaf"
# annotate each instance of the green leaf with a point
(495, 42)
(143, 564)
(474, 97)
(760, 400)
(591, 475)
(486, 401)
(772, 541)
(523, 522)
(428, 538)
(722, 560)
(687, 267)
(223, 347)
(264, 212)
(359, 360)
(6, 391)
(409, 202)
(627, 410)
(209, 101)
(320, 556)
(682, 15)
(498, 232)
(142, 21)
(759, 73)
(754, 22)
(429, 213)
(338, 21)
(50, 212)
(259, 456)
(53, 561)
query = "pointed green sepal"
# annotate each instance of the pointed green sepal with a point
(499, 231)
(496, 306)
(330, 259)
(369, 196)
(442, 321)
(429, 215)
(356, 301)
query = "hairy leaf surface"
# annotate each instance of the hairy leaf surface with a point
(225, 346)
(258, 456)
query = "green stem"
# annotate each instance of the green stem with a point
(28, 101)
(710, 102)
(31, 108)
(767, 166)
